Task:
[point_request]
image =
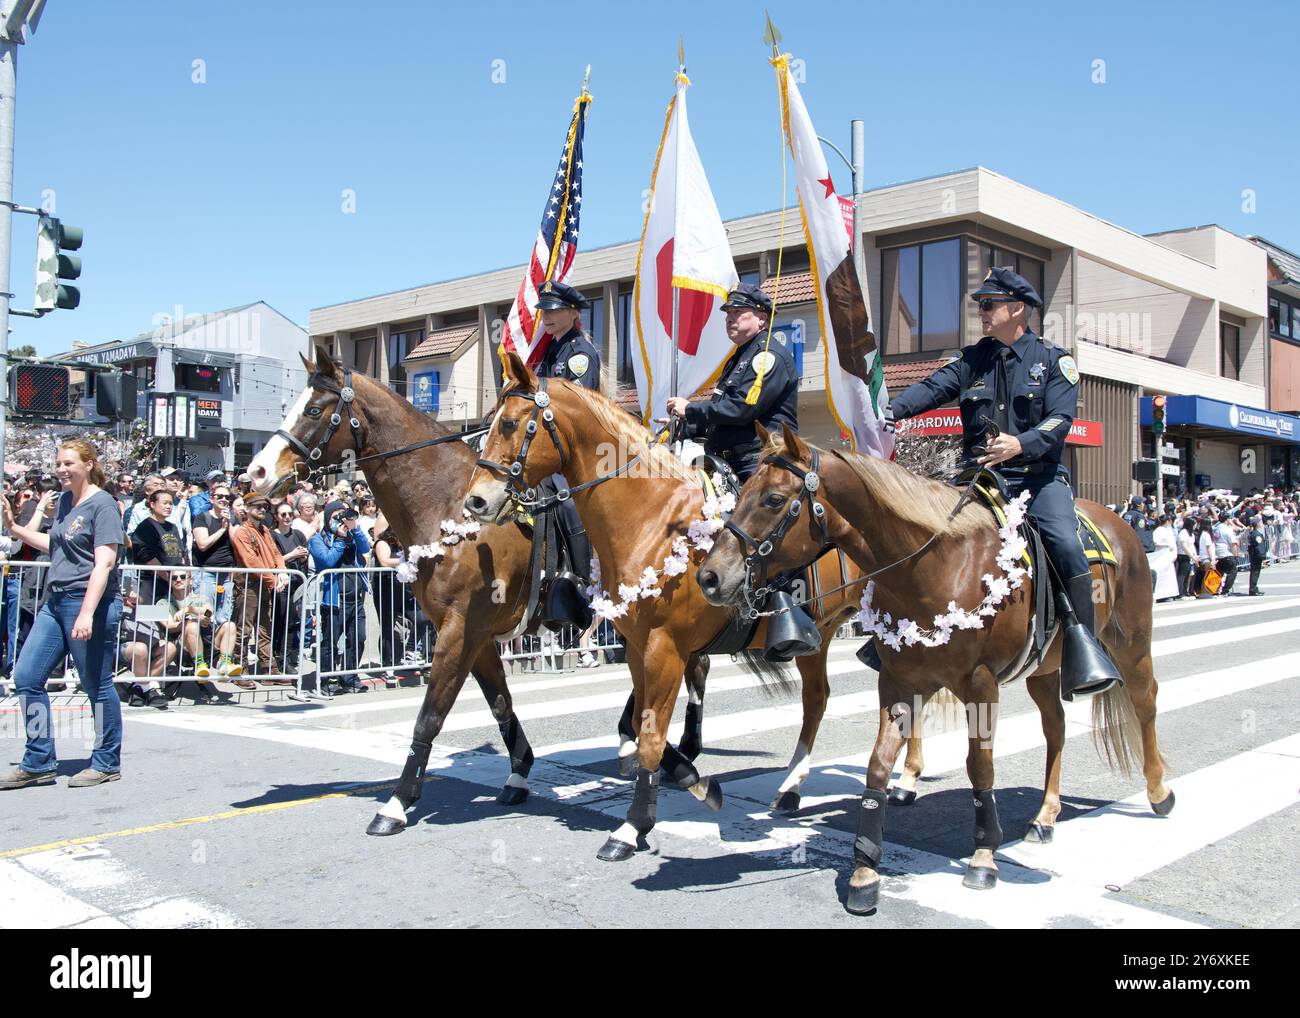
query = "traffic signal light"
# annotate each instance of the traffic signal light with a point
(40, 389)
(52, 238)
(1158, 414)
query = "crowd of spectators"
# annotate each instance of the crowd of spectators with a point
(205, 619)
(1216, 534)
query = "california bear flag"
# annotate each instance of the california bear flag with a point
(855, 379)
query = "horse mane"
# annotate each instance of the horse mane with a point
(921, 501)
(618, 423)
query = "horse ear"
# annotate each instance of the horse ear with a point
(795, 446)
(764, 436)
(326, 364)
(308, 364)
(516, 374)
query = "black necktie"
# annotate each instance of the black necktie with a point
(1004, 391)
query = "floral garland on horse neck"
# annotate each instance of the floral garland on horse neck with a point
(699, 536)
(895, 635)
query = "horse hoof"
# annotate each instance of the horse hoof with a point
(627, 765)
(1040, 834)
(690, 749)
(713, 797)
(980, 878)
(863, 900)
(902, 796)
(382, 826)
(1165, 806)
(786, 802)
(615, 851)
(511, 796)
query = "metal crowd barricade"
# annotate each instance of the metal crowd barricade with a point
(363, 619)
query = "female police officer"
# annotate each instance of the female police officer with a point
(570, 356)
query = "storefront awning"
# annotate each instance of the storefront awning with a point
(1198, 412)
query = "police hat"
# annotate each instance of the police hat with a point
(560, 295)
(1005, 282)
(747, 296)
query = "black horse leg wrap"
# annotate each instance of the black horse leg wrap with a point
(644, 800)
(411, 782)
(868, 846)
(988, 832)
(521, 753)
(677, 769)
(694, 723)
(625, 722)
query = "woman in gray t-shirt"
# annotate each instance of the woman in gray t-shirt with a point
(79, 617)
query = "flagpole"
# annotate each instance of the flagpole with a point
(672, 384)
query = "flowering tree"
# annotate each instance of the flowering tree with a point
(934, 456)
(32, 444)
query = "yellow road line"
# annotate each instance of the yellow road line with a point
(171, 825)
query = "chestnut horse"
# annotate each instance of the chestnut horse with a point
(633, 517)
(879, 513)
(475, 593)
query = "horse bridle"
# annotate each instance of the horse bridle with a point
(521, 493)
(347, 396)
(758, 553)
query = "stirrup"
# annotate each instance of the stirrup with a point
(790, 632)
(869, 654)
(565, 604)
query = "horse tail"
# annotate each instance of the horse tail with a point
(944, 709)
(772, 678)
(1115, 730)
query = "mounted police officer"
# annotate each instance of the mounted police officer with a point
(1029, 389)
(570, 356)
(1136, 518)
(759, 384)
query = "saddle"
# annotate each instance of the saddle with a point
(990, 489)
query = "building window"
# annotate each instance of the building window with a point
(593, 322)
(627, 342)
(363, 356)
(921, 296)
(1230, 345)
(1274, 316)
(400, 344)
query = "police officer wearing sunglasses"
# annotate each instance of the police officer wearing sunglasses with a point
(1030, 390)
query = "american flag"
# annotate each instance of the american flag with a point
(556, 246)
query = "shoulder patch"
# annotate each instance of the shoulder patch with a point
(763, 361)
(578, 364)
(1069, 369)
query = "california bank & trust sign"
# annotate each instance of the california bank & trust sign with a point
(1256, 420)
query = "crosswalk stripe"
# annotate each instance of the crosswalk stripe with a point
(28, 902)
(1220, 638)
(1111, 846)
(1251, 608)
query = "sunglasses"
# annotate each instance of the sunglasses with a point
(223, 498)
(987, 303)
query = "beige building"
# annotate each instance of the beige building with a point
(1179, 313)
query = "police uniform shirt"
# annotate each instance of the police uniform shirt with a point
(726, 422)
(572, 357)
(1038, 407)
(1258, 546)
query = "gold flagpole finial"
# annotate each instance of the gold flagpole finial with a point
(771, 35)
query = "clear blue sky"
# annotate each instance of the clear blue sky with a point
(213, 195)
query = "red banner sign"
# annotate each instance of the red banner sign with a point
(948, 422)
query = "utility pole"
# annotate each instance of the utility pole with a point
(15, 17)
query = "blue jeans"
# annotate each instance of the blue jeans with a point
(46, 645)
(222, 607)
(9, 627)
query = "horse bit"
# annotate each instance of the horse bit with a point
(758, 553)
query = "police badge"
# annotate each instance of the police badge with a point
(1036, 372)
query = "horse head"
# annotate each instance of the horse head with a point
(321, 428)
(521, 449)
(779, 523)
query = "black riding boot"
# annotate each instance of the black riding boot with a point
(1086, 668)
(869, 655)
(566, 600)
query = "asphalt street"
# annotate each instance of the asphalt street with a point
(254, 814)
